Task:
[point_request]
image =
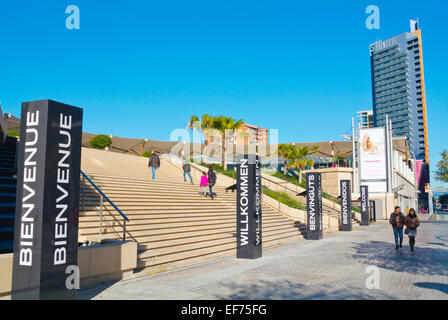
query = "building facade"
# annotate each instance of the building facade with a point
(398, 89)
(249, 134)
(366, 119)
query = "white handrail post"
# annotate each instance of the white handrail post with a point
(101, 216)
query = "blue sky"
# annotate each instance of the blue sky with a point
(141, 68)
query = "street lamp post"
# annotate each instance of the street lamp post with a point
(142, 145)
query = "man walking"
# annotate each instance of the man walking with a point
(154, 163)
(187, 169)
(211, 180)
(397, 221)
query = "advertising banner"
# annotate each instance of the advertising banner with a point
(346, 205)
(372, 159)
(46, 220)
(364, 205)
(314, 206)
(248, 215)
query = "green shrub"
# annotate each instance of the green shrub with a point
(303, 185)
(13, 133)
(146, 154)
(284, 198)
(101, 141)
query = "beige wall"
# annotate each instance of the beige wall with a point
(113, 260)
(389, 202)
(109, 261)
(5, 273)
(331, 178)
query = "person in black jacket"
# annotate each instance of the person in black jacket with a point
(397, 221)
(187, 170)
(211, 180)
(154, 163)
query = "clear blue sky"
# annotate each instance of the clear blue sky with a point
(141, 68)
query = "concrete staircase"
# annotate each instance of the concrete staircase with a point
(172, 223)
(8, 183)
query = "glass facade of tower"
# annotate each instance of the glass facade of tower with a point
(398, 89)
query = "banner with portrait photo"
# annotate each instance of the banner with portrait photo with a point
(372, 158)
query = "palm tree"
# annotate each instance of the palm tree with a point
(287, 152)
(301, 160)
(205, 124)
(223, 124)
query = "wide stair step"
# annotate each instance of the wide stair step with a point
(172, 223)
(7, 194)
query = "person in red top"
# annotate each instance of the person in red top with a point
(203, 185)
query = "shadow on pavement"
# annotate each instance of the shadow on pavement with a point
(289, 290)
(433, 285)
(438, 244)
(92, 291)
(424, 261)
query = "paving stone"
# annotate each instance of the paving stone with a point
(333, 268)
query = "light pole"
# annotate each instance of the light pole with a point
(355, 180)
(143, 144)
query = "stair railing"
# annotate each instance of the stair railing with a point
(295, 204)
(101, 207)
(295, 192)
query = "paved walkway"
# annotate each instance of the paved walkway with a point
(333, 268)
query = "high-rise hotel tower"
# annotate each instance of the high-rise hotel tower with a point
(399, 89)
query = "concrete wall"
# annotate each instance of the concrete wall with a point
(388, 204)
(112, 260)
(5, 273)
(331, 178)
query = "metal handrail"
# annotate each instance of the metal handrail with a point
(103, 196)
(282, 186)
(294, 201)
(278, 184)
(282, 196)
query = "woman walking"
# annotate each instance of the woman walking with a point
(203, 185)
(411, 222)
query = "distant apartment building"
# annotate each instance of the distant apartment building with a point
(398, 88)
(246, 134)
(249, 134)
(366, 119)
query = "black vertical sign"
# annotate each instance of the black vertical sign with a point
(346, 205)
(364, 205)
(46, 221)
(314, 206)
(248, 215)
